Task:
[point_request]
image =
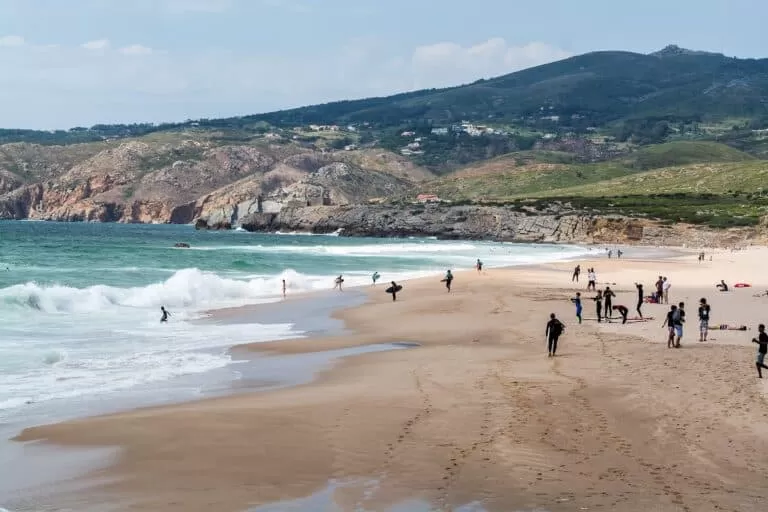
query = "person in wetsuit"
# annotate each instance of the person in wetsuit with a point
(608, 298)
(394, 291)
(640, 298)
(762, 349)
(576, 273)
(448, 280)
(166, 314)
(722, 286)
(599, 305)
(623, 311)
(553, 331)
(577, 301)
(375, 277)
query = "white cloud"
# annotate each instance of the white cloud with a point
(444, 64)
(12, 41)
(99, 44)
(65, 86)
(136, 49)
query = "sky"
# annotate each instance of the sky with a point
(66, 63)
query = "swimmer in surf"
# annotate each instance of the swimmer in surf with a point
(166, 314)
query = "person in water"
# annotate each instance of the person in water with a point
(337, 283)
(375, 277)
(623, 311)
(762, 349)
(640, 298)
(166, 314)
(394, 291)
(576, 273)
(608, 296)
(479, 266)
(577, 301)
(448, 280)
(599, 305)
(553, 331)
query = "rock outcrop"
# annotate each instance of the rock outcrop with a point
(186, 177)
(487, 223)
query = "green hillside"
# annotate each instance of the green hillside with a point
(683, 153)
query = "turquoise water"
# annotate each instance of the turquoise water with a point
(80, 302)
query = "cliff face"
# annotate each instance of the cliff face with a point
(487, 223)
(182, 179)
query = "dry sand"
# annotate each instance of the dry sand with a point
(479, 412)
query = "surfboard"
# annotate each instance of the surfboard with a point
(742, 285)
(397, 289)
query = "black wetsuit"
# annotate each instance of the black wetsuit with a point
(553, 332)
(394, 291)
(607, 296)
(448, 280)
(165, 316)
(640, 299)
(623, 311)
(599, 303)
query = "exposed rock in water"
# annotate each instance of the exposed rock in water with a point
(486, 223)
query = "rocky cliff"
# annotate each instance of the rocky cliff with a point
(489, 223)
(180, 178)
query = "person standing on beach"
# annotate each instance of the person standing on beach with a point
(665, 286)
(704, 311)
(659, 289)
(375, 277)
(577, 301)
(608, 296)
(591, 279)
(479, 265)
(623, 311)
(166, 314)
(762, 349)
(553, 331)
(448, 280)
(678, 320)
(337, 283)
(619, 253)
(669, 323)
(599, 305)
(640, 299)
(283, 288)
(576, 273)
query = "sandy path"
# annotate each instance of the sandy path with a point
(479, 413)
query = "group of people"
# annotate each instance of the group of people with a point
(591, 277)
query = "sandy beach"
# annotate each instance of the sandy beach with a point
(477, 415)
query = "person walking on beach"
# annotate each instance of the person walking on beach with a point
(762, 349)
(394, 291)
(619, 253)
(704, 311)
(576, 273)
(623, 311)
(640, 299)
(166, 314)
(669, 323)
(283, 288)
(448, 279)
(375, 277)
(577, 301)
(608, 296)
(678, 320)
(337, 283)
(665, 286)
(479, 265)
(599, 305)
(553, 331)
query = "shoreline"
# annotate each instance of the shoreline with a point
(367, 328)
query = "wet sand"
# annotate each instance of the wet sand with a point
(478, 414)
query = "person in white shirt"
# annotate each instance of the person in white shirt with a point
(591, 279)
(666, 285)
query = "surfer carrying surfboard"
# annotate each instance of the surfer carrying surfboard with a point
(393, 290)
(337, 283)
(448, 279)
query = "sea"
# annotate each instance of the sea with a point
(80, 302)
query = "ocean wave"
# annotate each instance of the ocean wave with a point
(187, 288)
(388, 250)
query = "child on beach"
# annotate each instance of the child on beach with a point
(762, 349)
(553, 331)
(577, 301)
